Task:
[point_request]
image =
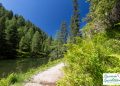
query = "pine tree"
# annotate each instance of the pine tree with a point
(63, 33)
(75, 20)
(50, 39)
(22, 45)
(16, 35)
(25, 42)
(48, 44)
(12, 37)
(36, 43)
(2, 39)
(20, 21)
(59, 41)
(9, 14)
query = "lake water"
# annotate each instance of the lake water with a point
(19, 65)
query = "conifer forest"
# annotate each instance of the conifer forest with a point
(87, 51)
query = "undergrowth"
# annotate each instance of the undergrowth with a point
(89, 58)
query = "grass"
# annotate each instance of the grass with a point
(20, 78)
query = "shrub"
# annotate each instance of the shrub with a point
(88, 59)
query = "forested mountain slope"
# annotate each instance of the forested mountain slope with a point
(98, 50)
(20, 38)
(88, 52)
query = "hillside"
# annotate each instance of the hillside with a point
(20, 38)
(98, 50)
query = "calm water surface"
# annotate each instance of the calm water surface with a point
(19, 65)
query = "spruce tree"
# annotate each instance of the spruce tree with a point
(25, 41)
(12, 37)
(75, 20)
(22, 44)
(50, 39)
(63, 33)
(16, 35)
(48, 44)
(2, 39)
(36, 43)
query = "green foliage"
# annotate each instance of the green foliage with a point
(75, 21)
(11, 37)
(11, 33)
(57, 46)
(100, 9)
(36, 45)
(48, 45)
(98, 51)
(11, 79)
(62, 36)
(26, 41)
(88, 60)
(20, 21)
(2, 38)
(56, 50)
(16, 35)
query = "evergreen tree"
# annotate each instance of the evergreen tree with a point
(50, 39)
(16, 35)
(26, 41)
(48, 44)
(9, 14)
(20, 21)
(75, 20)
(12, 37)
(58, 45)
(58, 37)
(2, 39)
(63, 33)
(36, 43)
(22, 44)
(22, 31)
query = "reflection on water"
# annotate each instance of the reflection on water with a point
(19, 65)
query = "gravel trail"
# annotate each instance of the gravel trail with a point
(48, 77)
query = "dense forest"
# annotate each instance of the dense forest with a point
(88, 52)
(21, 39)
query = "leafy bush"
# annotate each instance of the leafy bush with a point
(88, 59)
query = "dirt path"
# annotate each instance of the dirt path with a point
(48, 77)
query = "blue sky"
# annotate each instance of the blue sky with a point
(46, 14)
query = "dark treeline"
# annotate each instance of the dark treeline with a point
(20, 38)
